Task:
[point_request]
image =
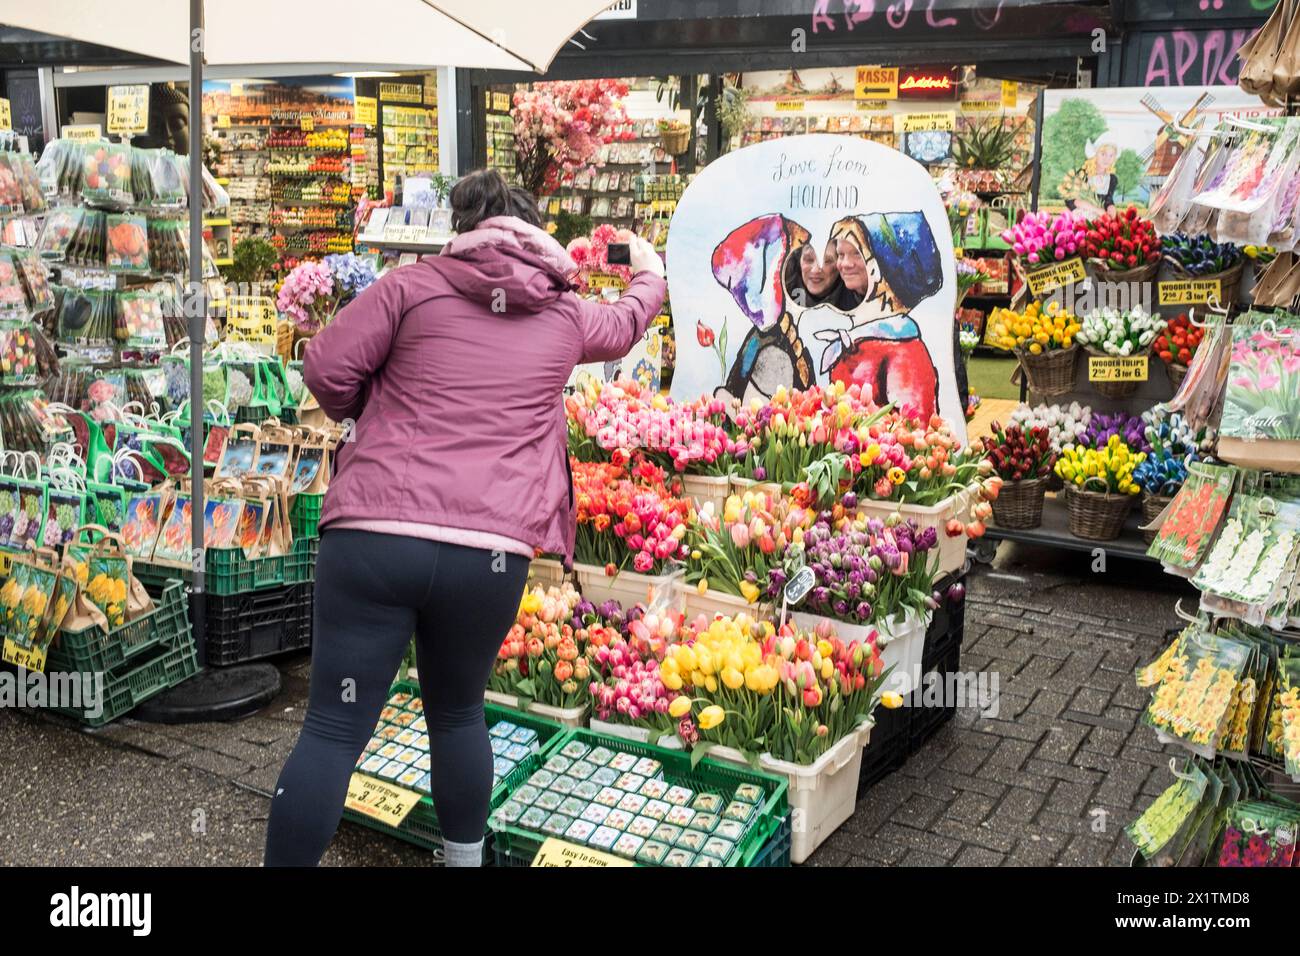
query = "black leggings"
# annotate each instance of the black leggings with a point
(373, 591)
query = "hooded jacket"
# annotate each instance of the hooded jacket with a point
(453, 371)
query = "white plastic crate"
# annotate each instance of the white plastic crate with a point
(716, 602)
(952, 551)
(567, 716)
(901, 641)
(702, 489)
(627, 587)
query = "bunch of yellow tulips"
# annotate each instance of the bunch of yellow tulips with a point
(1109, 468)
(1040, 328)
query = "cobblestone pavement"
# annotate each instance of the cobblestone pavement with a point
(1022, 789)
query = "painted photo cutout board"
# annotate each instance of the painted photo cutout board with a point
(813, 259)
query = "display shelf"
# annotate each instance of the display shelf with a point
(430, 246)
(1054, 532)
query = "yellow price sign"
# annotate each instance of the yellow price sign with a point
(789, 106)
(32, 658)
(380, 800)
(980, 106)
(1010, 93)
(1056, 276)
(251, 318)
(84, 133)
(876, 83)
(555, 852)
(223, 121)
(367, 111)
(926, 122)
(401, 92)
(1189, 291)
(501, 102)
(307, 124)
(6, 114)
(1118, 368)
(599, 281)
(128, 109)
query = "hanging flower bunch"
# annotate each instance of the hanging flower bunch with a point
(308, 296)
(560, 127)
(591, 255)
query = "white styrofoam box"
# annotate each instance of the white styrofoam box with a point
(567, 716)
(707, 488)
(640, 735)
(548, 572)
(715, 602)
(628, 587)
(823, 794)
(952, 551)
(901, 640)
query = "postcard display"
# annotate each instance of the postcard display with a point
(1225, 690)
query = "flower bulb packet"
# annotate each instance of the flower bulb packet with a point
(1193, 517)
(1259, 834)
(1170, 813)
(1253, 572)
(1192, 702)
(1262, 401)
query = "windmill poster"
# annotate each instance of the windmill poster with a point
(1114, 147)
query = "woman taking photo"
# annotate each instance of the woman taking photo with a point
(456, 470)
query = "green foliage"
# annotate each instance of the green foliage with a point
(253, 259)
(986, 145)
(569, 226)
(733, 110)
(1065, 135)
(1128, 171)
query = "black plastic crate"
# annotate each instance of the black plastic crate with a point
(944, 659)
(248, 627)
(887, 749)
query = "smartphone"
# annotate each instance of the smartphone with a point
(620, 254)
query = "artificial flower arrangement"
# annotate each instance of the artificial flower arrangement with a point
(1020, 454)
(1120, 332)
(1171, 448)
(591, 256)
(1111, 465)
(1120, 241)
(736, 551)
(1039, 329)
(561, 126)
(1200, 255)
(620, 519)
(1065, 425)
(1043, 237)
(792, 694)
(313, 292)
(1179, 341)
(1129, 429)
(544, 655)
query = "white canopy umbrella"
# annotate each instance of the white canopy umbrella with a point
(489, 34)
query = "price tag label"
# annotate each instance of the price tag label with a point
(1189, 291)
(555, 852)
(84, 133)
(6, 115)
(1010, 94)
(501, 102)
(980, 106)
(128, 109)
(1118, 368)
(599, 281)
(945, 121)
(401, 92)
(1056, 276)
(223, 121)
(367, 111)
(798, 587)
(380, 800)
(789, 106)
(251, 318)
(32, 658)
(307, 124)
(873, 105)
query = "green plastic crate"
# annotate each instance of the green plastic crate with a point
(228, 571)
(517, 847)
(300, 563)
(94, 649)
(304, 515)
(421, 825)
(138, 680)
(254, 414)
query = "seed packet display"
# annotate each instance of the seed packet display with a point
(1195, 513)
(106, 174)
(60, 226)
(1193, 700)
(221, 522)
(309, 472)
(275, 455)
(13, 299)
(142, 321)
(127, 245)
(65, 511)
(30, 519)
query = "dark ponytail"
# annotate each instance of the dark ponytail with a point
(479, 195)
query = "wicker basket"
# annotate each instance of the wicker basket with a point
(675, 140)
(1019, 505)
(1152, 505)
(1111, 283)
(1176, 374)
(1229, 281)
(1096, 515)
(1051, 373)
(1117, 389)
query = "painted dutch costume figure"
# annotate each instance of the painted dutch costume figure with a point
(892, 262)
